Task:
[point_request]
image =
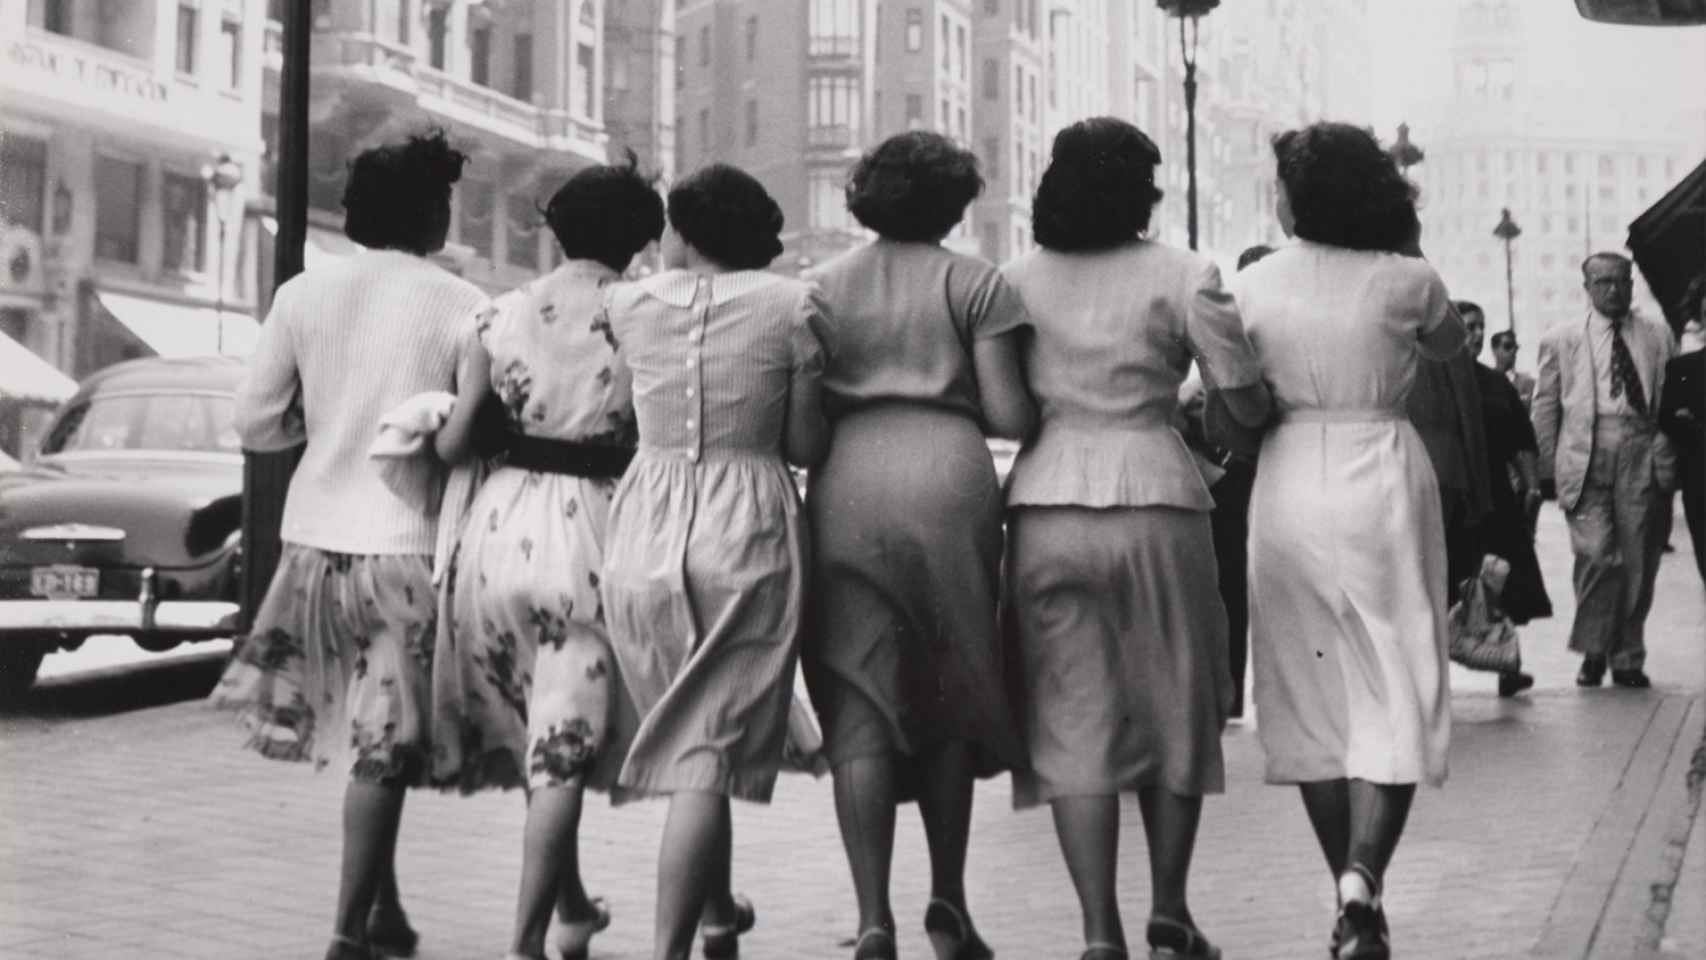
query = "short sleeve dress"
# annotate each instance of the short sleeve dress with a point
(704, 568)
(524, 684)
(1347, 545)
(1111, 582)
(903, 650)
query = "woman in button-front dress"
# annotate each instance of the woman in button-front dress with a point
(902, 656)
(525, 692)
(705, 562)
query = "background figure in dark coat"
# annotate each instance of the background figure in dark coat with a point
(1445, 408)
(1513, 484)
(1682, 415)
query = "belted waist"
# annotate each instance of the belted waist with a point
(1332, 415)
(570, 457)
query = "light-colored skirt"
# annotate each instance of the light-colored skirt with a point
(337, 669)
(1123, 679)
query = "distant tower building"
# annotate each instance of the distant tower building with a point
(639, 82)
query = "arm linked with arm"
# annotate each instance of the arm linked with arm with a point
(268, 408)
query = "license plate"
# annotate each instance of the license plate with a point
(64, 583)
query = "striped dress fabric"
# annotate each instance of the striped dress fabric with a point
(705, 556)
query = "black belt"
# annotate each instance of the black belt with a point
(545, 455)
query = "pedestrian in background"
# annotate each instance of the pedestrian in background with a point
(1504, 361)
(1347, 545)
(705, 561)
(1682, 414)
(903, 658)
(1596, 402)
(337, 668)
(1122, 647)
(525, 687)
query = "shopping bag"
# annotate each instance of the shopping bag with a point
(1481, 636)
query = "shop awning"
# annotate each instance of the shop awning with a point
(1669, 241)
(180, 330)
(321, 246)
(26, 376)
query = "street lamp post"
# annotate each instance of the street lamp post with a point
(1189, 13)
(1507, 230)
(1406, 154)
(222, 177)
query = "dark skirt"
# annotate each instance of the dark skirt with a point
(1504, 532)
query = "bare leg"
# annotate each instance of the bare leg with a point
(372, 813)
(1089, 833)
(865, 807)
(697, 831)
(1377, 815)
(944, 801)
(550, 867)
(1328, 803)
(1170, 824)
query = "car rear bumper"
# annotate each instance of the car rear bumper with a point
(209, 618)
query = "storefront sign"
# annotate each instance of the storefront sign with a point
(75, 67)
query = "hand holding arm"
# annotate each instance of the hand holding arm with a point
(455, 440)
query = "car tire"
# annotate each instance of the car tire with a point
(18, 665)
(154, 644)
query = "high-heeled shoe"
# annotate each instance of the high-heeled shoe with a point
(1172, 940)
(1360, 931)
(389, 933)
(951, 934)
(721, 941)
(568, 941)
(877, 943)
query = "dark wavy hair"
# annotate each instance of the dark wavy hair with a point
(1253, 254)
(1099, 189)
(1344, 190)
(398, 194)
(728, 216)
(607, 213)
(914, 186)
(1692, 304)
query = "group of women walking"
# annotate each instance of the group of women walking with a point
(624, 600)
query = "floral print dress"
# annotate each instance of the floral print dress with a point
(524, 690)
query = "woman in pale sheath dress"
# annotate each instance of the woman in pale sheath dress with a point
(1123, 656)
(525, 691)
(1347, 549)
(902, 657)
(705, 562)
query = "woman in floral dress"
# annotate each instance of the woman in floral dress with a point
(524, 691)
(337, 668)
(705, 561)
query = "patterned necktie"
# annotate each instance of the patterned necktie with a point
(1625, 381)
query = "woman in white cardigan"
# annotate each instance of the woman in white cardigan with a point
(337, 667)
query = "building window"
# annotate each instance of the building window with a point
(183, 211)
(56, 16)
(992, 158)
(751, 38)
(964, 62)
(992, 7)
(752, 123)
(962, 129)
(404, 30)
(833, 28)
(474, 226)
(587, 78)
(521, 86)
(914, 111)
(947, 49)
(828, 199)
(23, 181)
(991, 242)
(1019, 92)
(438, 27)
(522, 246)
(1540, 163)
(914, 30)
(1641, 167)
(231, 52)
(705, 132)
(680, 62)
(705, 46)
(832, 111)
(1569, 163)
(188, 24)
(480, 55)
(1607, 165)
(118, 208)
(991, 79)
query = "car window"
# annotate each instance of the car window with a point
(185, 422)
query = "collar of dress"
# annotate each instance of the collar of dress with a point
(677, 287)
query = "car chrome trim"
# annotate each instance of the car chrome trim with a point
(73, 532)
(118, 616)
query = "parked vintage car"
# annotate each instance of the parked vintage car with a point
(127, 519)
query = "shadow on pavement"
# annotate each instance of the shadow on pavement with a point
(119, 689)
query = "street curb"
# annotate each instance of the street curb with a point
(1675, 847)
(1604, 908)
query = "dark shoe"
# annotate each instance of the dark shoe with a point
(876, 943)
(1592, 672)
(722, 941)
(1172, 940)
(952, 935)
(1361, 933)
(1635, 679)
(1103, 951)
(389, 933)
(343, 948)
(1513, 683)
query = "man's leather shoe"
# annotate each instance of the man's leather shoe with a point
(1592, 672)
(1513, 683)
(1633, 679)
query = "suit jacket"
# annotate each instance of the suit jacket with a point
(1444, 405)
(1566, 400)
(1685, 390)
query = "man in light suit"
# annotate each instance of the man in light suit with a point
(1595, 415)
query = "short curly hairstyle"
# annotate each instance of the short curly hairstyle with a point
(914, 186)
(1344, 190)
(1099, 189)
(398, 194)
(606, 213)
(726, 214)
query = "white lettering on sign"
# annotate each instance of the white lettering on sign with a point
(102, 76)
